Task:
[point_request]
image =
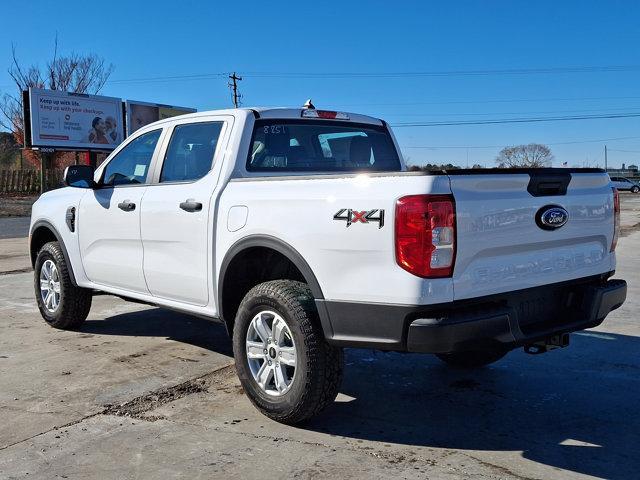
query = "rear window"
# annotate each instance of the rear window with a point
(320, 146)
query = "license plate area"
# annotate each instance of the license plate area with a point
(539, 311)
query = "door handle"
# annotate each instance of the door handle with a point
(190, 205)
(127, 206)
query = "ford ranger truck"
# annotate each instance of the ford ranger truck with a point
(302, 231)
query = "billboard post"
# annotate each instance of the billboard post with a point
(42, 162)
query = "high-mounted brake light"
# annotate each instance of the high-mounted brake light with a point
(616, 219)
(425, 231)
(310, 113)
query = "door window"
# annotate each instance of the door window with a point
(131, 164)
(190, 152)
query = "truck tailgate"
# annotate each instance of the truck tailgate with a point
(500, 245)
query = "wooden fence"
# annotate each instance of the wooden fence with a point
(28, 181)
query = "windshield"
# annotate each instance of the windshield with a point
(321, 146)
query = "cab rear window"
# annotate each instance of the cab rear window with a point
(320, 146)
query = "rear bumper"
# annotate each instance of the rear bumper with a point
(507, 320)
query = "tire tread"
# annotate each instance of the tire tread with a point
(324, 362)
(75, 301)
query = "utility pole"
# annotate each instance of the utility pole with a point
(605, 158)
(233, 84)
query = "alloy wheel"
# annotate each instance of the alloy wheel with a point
(50, 286)
(271, 353)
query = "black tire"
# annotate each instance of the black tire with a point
(75, 302)
(472, 359)
(319, 366)
(635, 189)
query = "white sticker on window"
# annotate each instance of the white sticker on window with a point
(139, 171)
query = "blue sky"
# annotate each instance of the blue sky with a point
(299, 40)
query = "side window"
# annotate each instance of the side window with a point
(131, 164)
(190, 153)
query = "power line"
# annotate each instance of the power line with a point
(431, 73)
(440, 114)
(203, 76)
(450, 73)
(624, 151)
(571, 142)
(512, 100)
(516, 120)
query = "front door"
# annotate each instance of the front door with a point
(177, 221)
(109, 217)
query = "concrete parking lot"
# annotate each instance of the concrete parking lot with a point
(142, 392)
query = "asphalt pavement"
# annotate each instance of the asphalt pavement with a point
(142, 392)
(14, 227)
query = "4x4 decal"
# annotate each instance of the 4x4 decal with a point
(363, 216)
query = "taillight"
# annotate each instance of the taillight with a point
(426, 235)
(616, 219)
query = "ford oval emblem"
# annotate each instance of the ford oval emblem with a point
(551, 217)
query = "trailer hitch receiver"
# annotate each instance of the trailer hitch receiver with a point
(551, 343)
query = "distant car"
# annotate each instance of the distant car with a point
(622, 183)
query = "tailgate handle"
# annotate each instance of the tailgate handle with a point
(551, 188)
(548, 184)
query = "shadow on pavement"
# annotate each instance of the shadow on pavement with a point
(157, 322)
(576, 409)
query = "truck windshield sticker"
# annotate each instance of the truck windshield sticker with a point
(139, 171)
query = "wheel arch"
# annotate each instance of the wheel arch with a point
(43, 232)
(264, 243)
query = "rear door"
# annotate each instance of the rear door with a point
(177, 221)
(503, 245)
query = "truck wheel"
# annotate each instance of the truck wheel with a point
(472, 359)
(286, 367)
(61, 304)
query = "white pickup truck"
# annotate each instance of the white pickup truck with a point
(302, 232)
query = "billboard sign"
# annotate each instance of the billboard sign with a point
(140, 114)
(74, 121)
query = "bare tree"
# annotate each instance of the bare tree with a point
(430, 167)
(533, 155)
(72, 73)
(9, 150)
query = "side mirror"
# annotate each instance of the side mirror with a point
(79, 176)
